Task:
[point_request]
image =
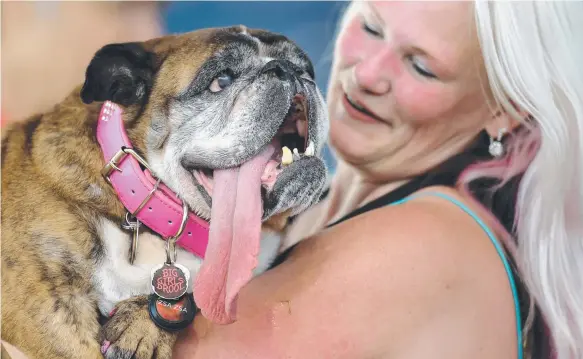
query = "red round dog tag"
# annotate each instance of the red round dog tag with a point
(170, 281)
(172, 315)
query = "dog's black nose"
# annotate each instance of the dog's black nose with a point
(283, 69)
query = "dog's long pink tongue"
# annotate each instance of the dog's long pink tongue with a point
(234, 236)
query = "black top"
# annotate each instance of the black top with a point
(500, 202)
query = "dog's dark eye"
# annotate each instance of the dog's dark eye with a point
(221, 82)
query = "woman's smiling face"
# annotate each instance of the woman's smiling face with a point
(406, 90)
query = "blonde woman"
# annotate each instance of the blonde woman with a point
(453, 227)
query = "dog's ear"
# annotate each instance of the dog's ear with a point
(121, 73)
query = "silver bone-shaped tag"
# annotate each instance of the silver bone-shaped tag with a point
(134, 226)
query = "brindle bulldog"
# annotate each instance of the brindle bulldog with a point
(180, 137)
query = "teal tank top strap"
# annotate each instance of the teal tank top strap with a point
(499, 249)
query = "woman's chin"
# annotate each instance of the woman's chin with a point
(353, 152)
(351, 146)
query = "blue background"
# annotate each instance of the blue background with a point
(311, 24)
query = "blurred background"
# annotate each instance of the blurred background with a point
(46, 45)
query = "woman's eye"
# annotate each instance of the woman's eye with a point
(370, 30)
(421, 70)
(221, 82)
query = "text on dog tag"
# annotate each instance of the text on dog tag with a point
(170, 281)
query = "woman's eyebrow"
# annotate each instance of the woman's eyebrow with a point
(374, 12)
(408, 43)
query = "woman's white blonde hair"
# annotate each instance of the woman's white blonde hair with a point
(533, 53)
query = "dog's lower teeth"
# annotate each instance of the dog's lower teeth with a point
(310, 151)
(296, 154)
(286, 156)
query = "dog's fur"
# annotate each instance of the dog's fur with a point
(64, 255)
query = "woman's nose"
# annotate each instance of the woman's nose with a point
(371, 73)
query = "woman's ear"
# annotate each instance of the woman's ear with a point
(501, 119)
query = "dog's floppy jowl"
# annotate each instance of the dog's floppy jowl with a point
(209, 111)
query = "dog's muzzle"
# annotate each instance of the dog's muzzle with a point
(290, 143)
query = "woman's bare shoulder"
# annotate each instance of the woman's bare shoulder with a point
(425, 225)
(427, 237)
(418, 279)
(428, 268)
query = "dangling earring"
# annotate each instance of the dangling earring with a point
(496, 147)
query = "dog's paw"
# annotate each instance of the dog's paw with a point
(298, 187)
(131, 334)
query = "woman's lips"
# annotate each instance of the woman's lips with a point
(359, 112)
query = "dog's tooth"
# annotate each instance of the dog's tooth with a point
(310, 149)
(296, 154)
(286, 157)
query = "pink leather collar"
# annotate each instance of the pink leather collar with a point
(149, 200)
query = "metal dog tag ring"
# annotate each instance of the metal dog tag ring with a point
(134, 226)
(134, 245)
(172, 315)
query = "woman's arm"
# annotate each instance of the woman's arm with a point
(416, 280)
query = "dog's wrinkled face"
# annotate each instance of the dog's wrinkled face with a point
(256, 90)
(215, 99)
(211, 111)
